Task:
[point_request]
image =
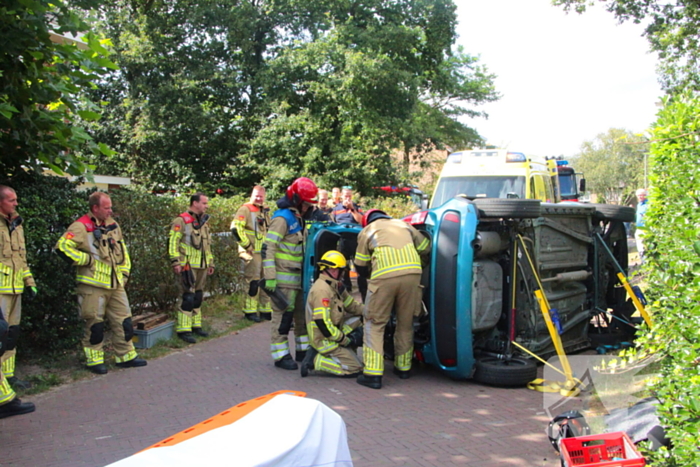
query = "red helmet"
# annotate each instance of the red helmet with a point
(302, 190)
(372, 215)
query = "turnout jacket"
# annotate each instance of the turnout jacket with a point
(393, 248)
(190, 242)
(326, 311)
(283, 250)
(251, 224)
(14, 272)
(98, 251)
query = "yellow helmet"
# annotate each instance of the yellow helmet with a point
(332, 259)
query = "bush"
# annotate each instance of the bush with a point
(51, 323)
(397, 206)
(227, 277)
(48, 205)
(673, 262)
(145, 220)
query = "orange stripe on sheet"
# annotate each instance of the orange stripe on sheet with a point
(226, 417)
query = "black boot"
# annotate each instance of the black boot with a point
(133, 363)
(308, 363)
(266, 316)
(100, 369)
(16, 407)
(286, 363)
(187, 337)
(402, 374)
(300, 355)
(374, 382)
(17, 383)
(252, 317)
(200, 332)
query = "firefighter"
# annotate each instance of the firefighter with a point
(15, 278)
(9, 403)
(283, 255)
(95, 246)
(249, 227)
(190, 254)
(333, 321)
(388, 252)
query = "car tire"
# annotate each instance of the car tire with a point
(513, 373)
(614, 212)
(515, 208)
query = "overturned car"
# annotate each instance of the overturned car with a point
(488, 257)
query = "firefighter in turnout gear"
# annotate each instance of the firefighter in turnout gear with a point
(249, 227)
(9, 403)
(95, 246)
(283, 255)
(15, 278)
(388, 252)
(333, 321)
(190, 254)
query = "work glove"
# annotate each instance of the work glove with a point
(355, 337)
(253, 288)
(270, 285)
(286, 323)
(31, 293)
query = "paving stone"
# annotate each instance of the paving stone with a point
(426, 420)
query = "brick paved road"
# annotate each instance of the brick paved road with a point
(428, 420)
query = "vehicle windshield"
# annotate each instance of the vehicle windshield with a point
(479, 187)
(567, 185)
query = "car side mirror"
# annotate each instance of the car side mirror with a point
(424, 202)
(582, 185)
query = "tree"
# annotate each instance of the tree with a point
(673, 31)
(43, 84)
(231, 93)
(613, 164)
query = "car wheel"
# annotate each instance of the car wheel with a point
(515, 208)
(496, 372)
(613, 212)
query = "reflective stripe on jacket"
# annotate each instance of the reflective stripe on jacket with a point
(99, 252)
(284, 249)
(326, 311)
(393, 248)
(251, 223)
(188, 244)
(14, 272)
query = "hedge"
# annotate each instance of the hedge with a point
(48, 205)
(673, 264)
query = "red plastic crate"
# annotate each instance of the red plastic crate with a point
(604, 450)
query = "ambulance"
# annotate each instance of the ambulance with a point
(496, 173)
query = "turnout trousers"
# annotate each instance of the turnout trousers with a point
(279, 336)
(341, 361)
(189, 312)
(98, 305)
(252, 271)
(11, 306)
(403, 293)
(6, 391)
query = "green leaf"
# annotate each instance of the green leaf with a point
(89, 115)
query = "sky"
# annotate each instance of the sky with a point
(564, 78)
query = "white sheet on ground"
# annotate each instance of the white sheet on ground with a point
(286, 431)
